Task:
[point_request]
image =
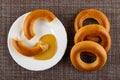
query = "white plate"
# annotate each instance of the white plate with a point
(41, 27)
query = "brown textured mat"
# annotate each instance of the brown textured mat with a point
(65, 10)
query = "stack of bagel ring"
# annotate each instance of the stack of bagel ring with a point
(92, 38)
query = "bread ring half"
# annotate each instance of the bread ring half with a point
(29, 51)
(32, 17)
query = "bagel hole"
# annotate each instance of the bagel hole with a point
(87, 57)
(93, 38)
(90, 21)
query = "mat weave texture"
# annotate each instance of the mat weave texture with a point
(65, 10)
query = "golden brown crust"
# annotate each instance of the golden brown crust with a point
(91, 13)
(93, 38)
(95, 30)
(92, 47)
(24, 50)
(95, 14)
(32, 17)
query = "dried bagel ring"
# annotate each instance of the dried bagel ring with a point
(32, 17)
(99, 16)
(29, 51)
(92, 47)
(95, 30)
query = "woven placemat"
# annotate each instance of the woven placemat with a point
(65, 10)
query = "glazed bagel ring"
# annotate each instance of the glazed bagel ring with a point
(92, 47)
(95, 30)
(91, 13)
(99, 16)
(32, 17)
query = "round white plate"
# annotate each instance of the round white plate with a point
(41, 27)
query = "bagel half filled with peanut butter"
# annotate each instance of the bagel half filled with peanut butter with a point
(29, 51)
